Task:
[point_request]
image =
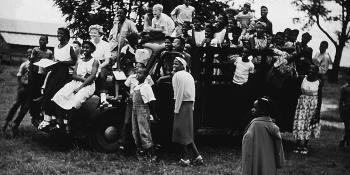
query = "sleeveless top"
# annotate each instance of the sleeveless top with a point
(85, 67)
(63, 54)
(309, 88)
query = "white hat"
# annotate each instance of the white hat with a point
(183, 61)
(142, 56)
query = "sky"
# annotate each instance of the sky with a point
(281, 13)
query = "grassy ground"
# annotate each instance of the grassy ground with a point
(33, 152)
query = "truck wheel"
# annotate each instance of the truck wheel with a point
(106, 134)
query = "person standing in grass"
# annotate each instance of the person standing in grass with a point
(306, 122)
(142, 108)
(38, 74)
(23, 99)
(344, 110)
(262, 149)
(184, 95)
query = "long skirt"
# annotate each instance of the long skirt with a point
(306, 110)
(183, 124)
(66, 99)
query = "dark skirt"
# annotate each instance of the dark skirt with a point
(183, 124)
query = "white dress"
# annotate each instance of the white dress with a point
(66, 98)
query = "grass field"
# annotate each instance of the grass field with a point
(33, 152)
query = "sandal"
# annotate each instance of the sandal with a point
(45, 123)
(184, 163)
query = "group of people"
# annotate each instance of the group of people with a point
(273, 65)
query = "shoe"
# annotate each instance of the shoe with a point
(105, 104)
(184, 163)
(121, 148)
(304, 151)
(198, 161)
(297, 150)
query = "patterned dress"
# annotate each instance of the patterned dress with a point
(305, 111)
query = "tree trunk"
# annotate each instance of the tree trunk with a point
(336, 64)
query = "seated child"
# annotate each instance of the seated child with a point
(74, 93)
(262, 149)
(142, 109)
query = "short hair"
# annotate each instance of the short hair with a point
(77, 42)
(307, 35)
(65, 31)
(266, 104)
(279, 34)
(159, 7)
(295, 31)
(46, 37)
(144, 70)
(324, 43)
(96, 27)
(263, 7)
(133, 37)
(92, 46)
(169, 38)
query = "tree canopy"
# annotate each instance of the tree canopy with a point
(80, 14)
(317, 12)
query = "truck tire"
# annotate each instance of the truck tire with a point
(106, 133)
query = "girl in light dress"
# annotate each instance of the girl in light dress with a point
(74, 93)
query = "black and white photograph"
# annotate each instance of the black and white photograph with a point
(241, 87)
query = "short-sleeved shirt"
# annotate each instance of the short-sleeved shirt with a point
(322, 60)
(146, 92)
(183, 13)
(242, 71)
(244, 19)
(23, 72)
(39, 54)
(102, 51)
(164, 21)
(132, 82)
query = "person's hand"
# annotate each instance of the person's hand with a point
(76, 90)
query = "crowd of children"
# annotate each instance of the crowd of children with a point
(278, 65)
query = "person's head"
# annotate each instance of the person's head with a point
(87, 48)
(323, 46)
(133, 39)
(197, 23)
(121, 15)
(187, 2)
(43, 40)
(222, 20)
(293, 35)
(279, 39)
(168, 43)
(157, 10)
(179, 44)
(260, 28)
(141, 74)
(95, 32)
(63, 34)
(264, 11)
(306, 38)
(246, 7)
(139, 65)
(179, 64)
(76, 47)
(262, 106)
(313, 70)
(28, 53)
(286, 34)
(149, 9)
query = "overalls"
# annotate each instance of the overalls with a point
(141, 130)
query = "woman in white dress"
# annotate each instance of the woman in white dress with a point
(74, 93)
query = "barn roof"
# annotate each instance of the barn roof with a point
(20, 32)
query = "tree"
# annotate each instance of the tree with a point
(80, 14)
(316, 11)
